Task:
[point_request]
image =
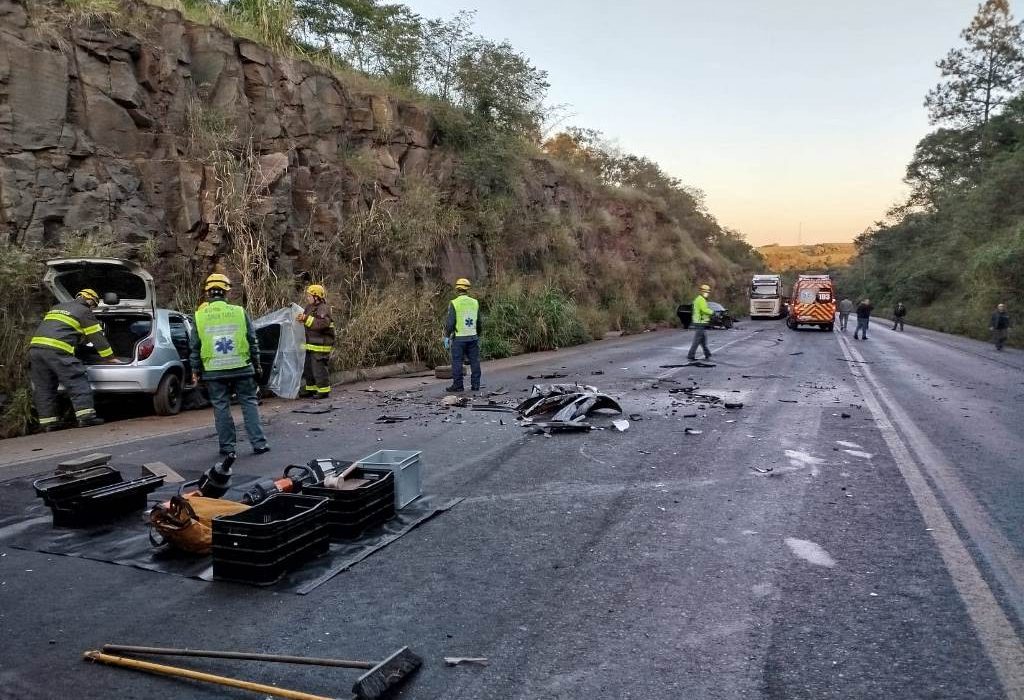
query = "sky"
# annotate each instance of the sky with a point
(795, 117)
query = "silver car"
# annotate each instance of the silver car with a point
(151, 343)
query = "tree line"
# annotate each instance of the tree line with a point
(955, 247)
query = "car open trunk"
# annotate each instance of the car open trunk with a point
(123, 332)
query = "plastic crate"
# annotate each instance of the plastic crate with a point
(63, 486)
(260, 545)
(352, 512)
(406, 466)
(105, 503)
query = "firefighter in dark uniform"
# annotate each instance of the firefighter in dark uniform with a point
(316, 317)
(53, 362)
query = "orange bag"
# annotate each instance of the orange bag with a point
(187, 523)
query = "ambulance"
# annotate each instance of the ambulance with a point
(813, 303)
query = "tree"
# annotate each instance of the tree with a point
(979, 78)
(501, 87)
(445, 42)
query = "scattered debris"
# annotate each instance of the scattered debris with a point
(644, 452)
(597, 372)
(692, 431)
(844, 415)
(451, 400)
(372, 390)
(500, 391)
(700, 363)
(788, 401)
(734, 404)
(672, 366)
(759, 470)
(621, 425)
(498, 408)
(558, 426)
(797, 353)
(459, 660)
(314, 410)
(567, 401)
(392, 419)
(635, 417)
(550, 375)
(765, 376)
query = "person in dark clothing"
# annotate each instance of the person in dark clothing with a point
(864, 310)
(898, 314)
(462, 331)
(316, 317)
(225, 350)
(52, 360)
(1000, 326)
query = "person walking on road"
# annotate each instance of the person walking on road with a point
(316, 317)
(999, 325)
(845, 307)
(224, 348)
(864, 310)
(701, 317)
(52, 360)
(462, 331)
(898, 314)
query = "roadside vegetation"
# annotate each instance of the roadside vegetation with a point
(631, 243)
(955, 248)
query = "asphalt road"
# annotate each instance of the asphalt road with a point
(854, 531)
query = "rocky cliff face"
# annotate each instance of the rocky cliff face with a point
(174, 137)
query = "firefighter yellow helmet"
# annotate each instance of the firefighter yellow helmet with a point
(217, 281)
(705, 288)
(317, 290)
(462, 283)
(89, 295)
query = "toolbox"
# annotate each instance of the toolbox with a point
(407, 468)
(260, 545)
(352, 511)
(93, 496)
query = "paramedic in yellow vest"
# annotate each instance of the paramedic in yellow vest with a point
(226, 356)
(53, 362)
(701, 318)
(462, 335)
(316, 317)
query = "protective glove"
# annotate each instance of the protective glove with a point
(447, 342)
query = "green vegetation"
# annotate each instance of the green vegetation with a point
(956, 248)
(578, 237)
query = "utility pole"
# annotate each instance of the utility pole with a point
(800, 234)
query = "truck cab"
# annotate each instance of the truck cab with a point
(766, 297)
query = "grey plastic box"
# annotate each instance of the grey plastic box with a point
(406, 466)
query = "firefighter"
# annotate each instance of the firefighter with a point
(53, 362)
(701, 318)
(316, 317)
(462, 335)
(224, 349)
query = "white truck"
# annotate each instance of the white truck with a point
(766, 297)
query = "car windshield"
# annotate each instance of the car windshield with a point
(764, 291)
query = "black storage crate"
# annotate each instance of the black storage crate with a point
(260, 545)
(64, 486)
(352, 512)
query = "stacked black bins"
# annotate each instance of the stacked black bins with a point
(94, 496)
(354, 511)
(260, 545)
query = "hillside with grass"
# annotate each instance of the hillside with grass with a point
(819, 257)
(350, 143)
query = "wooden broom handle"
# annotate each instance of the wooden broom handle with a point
(240, 655)
(199, 676)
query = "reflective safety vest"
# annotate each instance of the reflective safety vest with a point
(223, 343)
(701, 310)
(466, 310)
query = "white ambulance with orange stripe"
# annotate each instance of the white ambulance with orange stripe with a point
(813, 303)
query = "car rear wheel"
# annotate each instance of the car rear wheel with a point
(167, 399)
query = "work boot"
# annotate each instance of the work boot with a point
(51, 427)
(89, 422)
(261, 450)
(454, 389)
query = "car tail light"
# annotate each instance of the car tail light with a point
(145, 348)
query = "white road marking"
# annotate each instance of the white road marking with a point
(802, 459)
(858, 453)
(810, 551)
(996, 633)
